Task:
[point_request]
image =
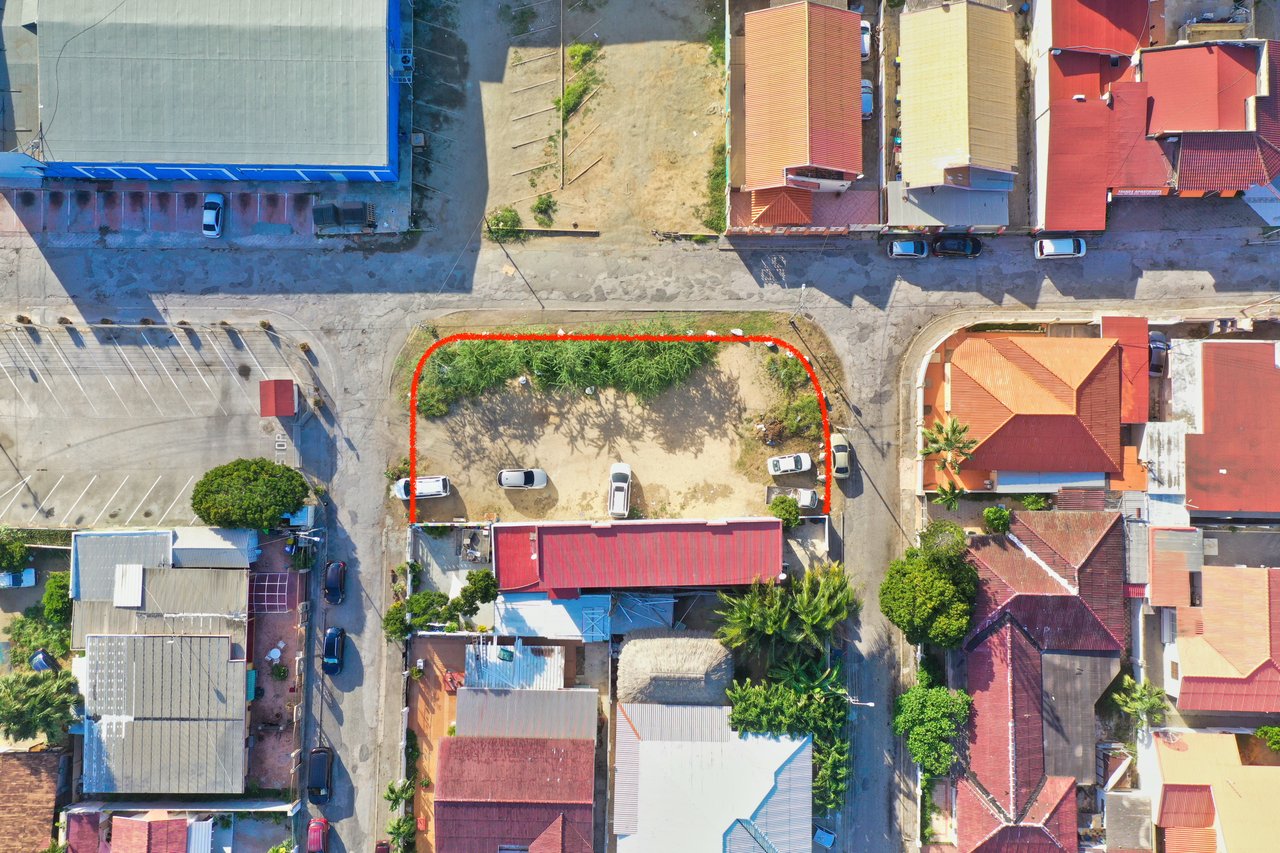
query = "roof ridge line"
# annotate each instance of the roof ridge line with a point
(1035, 558)
(1016, 343)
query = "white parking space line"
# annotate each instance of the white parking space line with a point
(41, 376)
(177, 336)
(68, 515)
(21, 396)
(249, 350)
(103, 371)
(49, 494)
(129, 520)
(169, 508)
(72, 373)
(235, 377)
(107, 505)
(18, 487)
(137, 378)
(160, 363)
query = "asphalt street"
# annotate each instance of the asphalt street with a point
(355, 304)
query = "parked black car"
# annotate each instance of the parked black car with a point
(1158, 346)
(335, 650)
(319, 774)
(335, 581)
(956, 246)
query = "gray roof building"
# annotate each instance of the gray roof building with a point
(1072, 683)
(233, 82)
(559, 714)
(214, 547)
(165, 715)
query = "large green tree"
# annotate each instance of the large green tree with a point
(37, 703)
(929, 591)
(32, 631)
(57, 598)
(248, 493)
(757, 622)
(932, 718)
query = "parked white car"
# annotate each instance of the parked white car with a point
(620, 490)
(899, 249)
(792, 463)
(522, 478)
(865, 26)
(215, 212)
(1063, 247)
(423, 487)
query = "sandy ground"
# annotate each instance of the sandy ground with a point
(684, 448)
(636, 152)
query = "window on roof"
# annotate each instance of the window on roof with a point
(1197, 588)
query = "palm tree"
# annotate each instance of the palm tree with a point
(401, 831)
(757, 622)
(950, 442)
(398, 793)
(37, 703)
(821, 599)
(949, 496)
(1143, 701)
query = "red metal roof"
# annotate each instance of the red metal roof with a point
(82, 832)
(1135, 362)
(566, 557)
(484, 828)
(515, 770)
(1186, 805)
(1241, 400)
(781, 206)
(1115, 27)
(1190, 840)
(143, 835)
(1200, 86)
(276, 398)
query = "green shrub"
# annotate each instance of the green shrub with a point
(503, 225)
(804, 417)
(13, 551)
(57, 598)
(932, 719)
(1034, 503)
(714, 212)
(787, 372)
(575, 93)
(929, 591)
(787, 509)
(1271, 734)
(582, 53)
(714, 36)
(32, 631)
(996, 519)
(394, 624)
(398, 471)
(544, 210)
(253, 493)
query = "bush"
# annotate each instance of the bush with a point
(398, 471)
(37, 703)
(804, 417)
(996, 519)
(787, 509)
(32, 631)
(575, 93)
(932, 719)
(279, 671)
(1271, 734)
(929, 591)
(713, 214)
(1034, 503)
(253, 493)
(504, 226)
(13, 551)
(787, 372)
(394, 624)
(57, 598)
(544, 210)
(581, 53)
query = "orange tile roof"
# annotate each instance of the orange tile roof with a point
(1135, 363)
(1190, 840)
(1133, 476)
(802, 75)
(781, 206)
(1039, 404)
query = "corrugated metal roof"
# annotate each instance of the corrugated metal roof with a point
(166, 715)
(515, 770)
(1137, 554)
(174, 601)
(569, 556)
(535, 615)
(237, 82)
(930, 207)
(530, 667)
(1200, 86)
(1186, 805)
(1178, 839)
(959, 91)
(214, 547)
(1072, 684)
(1108, 28)
(95, 555)
(200, 836)
(566, 714)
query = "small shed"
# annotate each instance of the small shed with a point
(278, 398)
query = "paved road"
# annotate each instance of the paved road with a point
(355, 305)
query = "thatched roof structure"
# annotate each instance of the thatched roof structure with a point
(661, 666)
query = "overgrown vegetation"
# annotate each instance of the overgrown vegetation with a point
(430, 608)
(927, 810)
(503, 225)
(519, 20)
(254, 493)
(467, 369)
(585, 78)
(713, 212)
(37, 704)
(787, 373)
(38, 536)
(929, 591)
(1270, 734)
(582, 53)
(1143, 702)
(714, 36)
(996, 519)
(544, 210)
(399, 793)
(398, 471)
(932, 718)
(401, 832)
(1034, 503)
(33, 631)
(56, 602)
(786, 509)
(949, 495)
(786, 623)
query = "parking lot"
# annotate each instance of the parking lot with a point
(111, 426)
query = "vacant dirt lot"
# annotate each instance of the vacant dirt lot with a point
(692, 449)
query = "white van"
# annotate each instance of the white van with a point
(423, 487)
(620, 490)
(1063, 247)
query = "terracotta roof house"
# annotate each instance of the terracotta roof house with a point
(148, 833)
(1048, 629)
(1132, 333)
(1220, 626)
(28, 789)
(1044, 411)
(564, 558)
(526, 793)
(1211, 792)
(803, 124)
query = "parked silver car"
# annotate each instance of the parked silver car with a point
(522, 478)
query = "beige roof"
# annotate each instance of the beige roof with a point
(959, 91)
(1243, 796)
(1230, 636)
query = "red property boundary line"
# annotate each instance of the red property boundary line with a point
(718, 339)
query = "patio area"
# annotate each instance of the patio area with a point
(447, 556)
(275, 641)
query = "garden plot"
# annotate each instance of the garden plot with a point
(696, 449)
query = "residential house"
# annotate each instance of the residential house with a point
(524, 793)
(684, 780)
(588, 618)
(95, 827)
(798, 135)
(1049, 626)
(959, 118)
(29, 783)
(564, 558)
(1211, 791)
(565, 714)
